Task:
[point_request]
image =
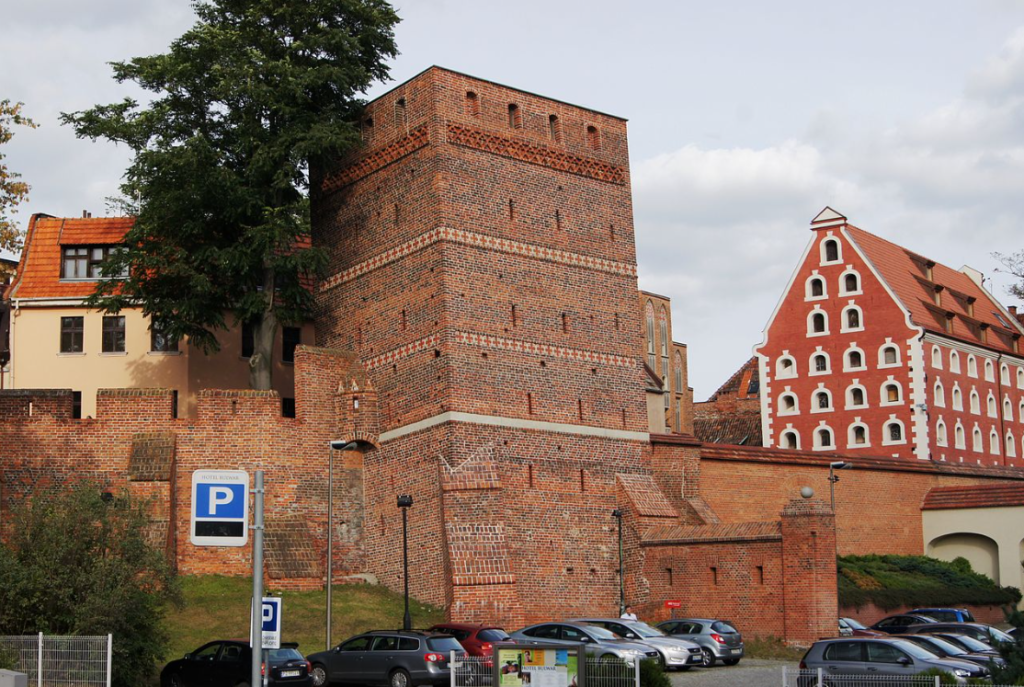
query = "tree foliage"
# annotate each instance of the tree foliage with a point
(1014, 265)
(247, 102)
(1012, 673)
(12, 191)
(78, 563)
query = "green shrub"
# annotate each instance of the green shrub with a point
(653, 675)
(892, 581)
(8, 659)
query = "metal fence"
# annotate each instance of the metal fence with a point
(820, 678)
(478, 671)
(60, 661)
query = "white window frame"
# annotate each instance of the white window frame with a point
(883, 396)
(850, 443)
(1007, 408)
(939, 394)
(818, 446)
(959, 436)
(886, 439)
(977, 440)
(849, 396)
(972, 366)
(954, 362)
(957, 397)
(809, 296)
(974, 402)
(1011, 444)
(991, 406)
(842, 282)
(847, 367)
(814, 400)
(812, 369)
(941, 433)
(780, 372)
(823, 253)
(1004, 374)
(990, 370)
(810, 326)
(936, 357)
(995, 443)
(796, 403)
(782, 437)
(844, 323)
(881, 355)
(1020, 377)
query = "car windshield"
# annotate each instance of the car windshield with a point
(600, 632)
(913, 649)
(443, 644)
(999, 635)
(971, 643)
(645, 630)
(722, 626)
(940, 644)
(855, 624)
(492, 635)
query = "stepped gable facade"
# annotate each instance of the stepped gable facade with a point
(874, 349)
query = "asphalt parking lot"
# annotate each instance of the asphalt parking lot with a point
(751, 672)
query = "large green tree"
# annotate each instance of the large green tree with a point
(255, 95)
(12, 191)
(78, 563)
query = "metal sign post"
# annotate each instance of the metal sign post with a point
(256, 635)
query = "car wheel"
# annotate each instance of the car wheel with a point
(730, 661)
(707, 657)
(319, 675)
(662, 663)
(400, 678)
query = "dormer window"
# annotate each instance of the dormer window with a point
(86, 262)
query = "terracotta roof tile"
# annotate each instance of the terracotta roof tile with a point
(902, 271)
(39, 269)
(739, 428)
(703, 534)
(988, 496)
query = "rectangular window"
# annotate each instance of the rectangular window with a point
(290, 338)
(288, 407)
(159, 340)
(248, 340)
(71, 334)
(86, 262)
(76, 405)
(113, 334)
(174, 403)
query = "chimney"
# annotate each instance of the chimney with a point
(1012, 309)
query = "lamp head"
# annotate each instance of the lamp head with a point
(840, 465)
(344, 445)
(616, 513)
(404, 501)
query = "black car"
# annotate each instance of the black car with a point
(943, 648)
(898, 624)
(985, 633)
(228, 663)
(397, 658)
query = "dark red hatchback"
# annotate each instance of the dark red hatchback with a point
(477, 640)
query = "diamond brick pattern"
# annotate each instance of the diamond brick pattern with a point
(290, 550)
(532, 348)
(377, 160)
(535, 154)
(477, 240)
(152, 457)
(396, 354)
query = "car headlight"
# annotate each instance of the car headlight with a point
(961, 673)
(630, 652)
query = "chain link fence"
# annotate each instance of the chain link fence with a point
(478, 671)
(822, 678)
(60, 661)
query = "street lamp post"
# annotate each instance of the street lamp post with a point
(405, 502)
(832, 479)
(335, 446)
(617, 514)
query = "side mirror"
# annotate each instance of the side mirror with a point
(904, 661)
(188, 657)
(585, 639)
(630, 635)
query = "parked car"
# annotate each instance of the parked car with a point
(397, 658)
(600, 643)
(986, 633)
(675, 652)
(946, 615)
(968, 643)
(851, 627)
(898, 624)
(718, 639)
(477, 640)
(946, 649)
(228, 663)
(876, 657)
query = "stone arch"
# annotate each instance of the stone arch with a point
(981, 551)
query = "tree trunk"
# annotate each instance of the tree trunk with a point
(264, 333)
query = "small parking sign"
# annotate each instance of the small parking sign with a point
(220, 508)
(271, 623)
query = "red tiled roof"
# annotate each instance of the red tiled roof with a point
(737, 427)
(902, 270)
(39, 268)
(994, 496)
(731, 387)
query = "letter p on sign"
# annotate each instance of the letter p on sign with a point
(220, 508)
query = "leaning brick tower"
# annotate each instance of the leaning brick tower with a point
(483, 267)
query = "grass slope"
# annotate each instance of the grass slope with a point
(893, 581)
(217, 607)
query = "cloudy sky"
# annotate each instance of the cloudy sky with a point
(745, 119)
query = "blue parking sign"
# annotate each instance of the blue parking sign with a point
(220, 508)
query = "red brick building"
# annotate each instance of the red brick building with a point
(874, 349)
(732, 415)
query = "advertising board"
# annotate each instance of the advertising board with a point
(539, 666)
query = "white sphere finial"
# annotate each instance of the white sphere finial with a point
(806, 492)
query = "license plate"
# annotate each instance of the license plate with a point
(737, 651)
(291, 673)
